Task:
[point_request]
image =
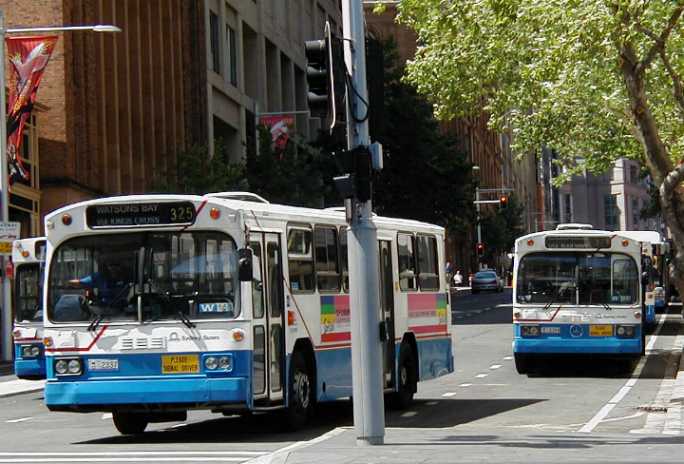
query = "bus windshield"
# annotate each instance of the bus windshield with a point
(578, 278)
(144, 276)
(29, 287)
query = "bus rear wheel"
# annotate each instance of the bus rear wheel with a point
(522, 363)
(406, 377)
(300, 392)
(129, 423)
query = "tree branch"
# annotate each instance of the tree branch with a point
(677, 88)
(659, 42)
(667, 200)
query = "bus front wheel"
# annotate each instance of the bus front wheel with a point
(300, 392)
(129, 423)
(522, 363)
(407, 377)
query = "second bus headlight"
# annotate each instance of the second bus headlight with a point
(210, 363)
(624, 331)
(61, 366)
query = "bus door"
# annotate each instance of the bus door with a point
(267, 314)
(387, 310)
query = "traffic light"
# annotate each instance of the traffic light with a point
(357, 182)
(503, 201)
(326, 78)
(480, 248)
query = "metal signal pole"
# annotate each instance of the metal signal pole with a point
(367, 363)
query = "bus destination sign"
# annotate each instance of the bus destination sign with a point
(140, 215)
(578, 242)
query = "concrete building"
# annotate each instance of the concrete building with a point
(256, 63)
(611, 201)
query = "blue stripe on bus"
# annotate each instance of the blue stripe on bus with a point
(29, 368)
(334, 366)
(139, 381)
(578, 342)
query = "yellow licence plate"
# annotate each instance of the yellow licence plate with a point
(180, 364)
(600, 330)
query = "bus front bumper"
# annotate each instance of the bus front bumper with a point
(33, 368)
(578, 346)
(98, 395)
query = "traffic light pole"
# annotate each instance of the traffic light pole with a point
(362, 238)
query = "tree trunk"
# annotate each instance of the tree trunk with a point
(658, 161)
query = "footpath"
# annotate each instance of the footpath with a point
(10, 385)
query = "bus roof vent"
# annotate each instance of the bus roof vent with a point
(240, 196)
(574, 226)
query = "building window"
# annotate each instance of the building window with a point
(636, 212)
(611, 212)
(231, 37)
(567, 204)
(633, 174)
(214, 42)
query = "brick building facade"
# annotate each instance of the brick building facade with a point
(118, 107)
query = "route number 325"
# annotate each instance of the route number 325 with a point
(182, 214)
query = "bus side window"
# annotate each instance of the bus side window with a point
(344, 264)
(428, 273)
(300, 260)
(257, 282)
(407, 261)
(327, 270)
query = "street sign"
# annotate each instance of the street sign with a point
(9, 232)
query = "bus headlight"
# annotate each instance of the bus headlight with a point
(74, 366)
(61, 366)
(210, 363)
(225, 363)
(624, 331)
(30, 351)
(529, 330)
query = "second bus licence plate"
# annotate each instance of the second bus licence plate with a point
(604, 330)
(180, 364)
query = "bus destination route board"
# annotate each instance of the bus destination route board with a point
(140, 215)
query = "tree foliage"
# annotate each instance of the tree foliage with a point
(501, 227)
(598, 80)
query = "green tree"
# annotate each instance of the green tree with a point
(424, 177)
(501, 227)
(198, 173)
(593, 79)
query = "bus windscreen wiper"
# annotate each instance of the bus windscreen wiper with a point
(186, 320)
(96, 322)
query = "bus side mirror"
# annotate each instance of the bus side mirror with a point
(245, 264)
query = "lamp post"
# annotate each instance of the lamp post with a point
(4, 193)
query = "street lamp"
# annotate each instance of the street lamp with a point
(6, 319)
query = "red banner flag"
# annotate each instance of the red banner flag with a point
(280, 127)
(28, 57)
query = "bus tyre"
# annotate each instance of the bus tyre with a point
(522, 363)
(129, 423)
(300, 392)
(407, 380)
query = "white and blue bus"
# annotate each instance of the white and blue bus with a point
(28, 257)
(159, 304)
(578, 292)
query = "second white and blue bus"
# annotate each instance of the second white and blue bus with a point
(576, 292)
(28, 257)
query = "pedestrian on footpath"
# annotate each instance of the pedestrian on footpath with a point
(458, 278)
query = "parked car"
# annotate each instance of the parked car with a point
(487, 280)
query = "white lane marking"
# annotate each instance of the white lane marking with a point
(177, 426)
(281, 454)
(449, 394)
(508, 358)
(605, 410)
(617, 419)
(495, 366)
(13, 387)
(107, 416)
(431, 403)
(494, 384)
(481, 376)
(14, 421)
(409, 414)
(465, 385)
